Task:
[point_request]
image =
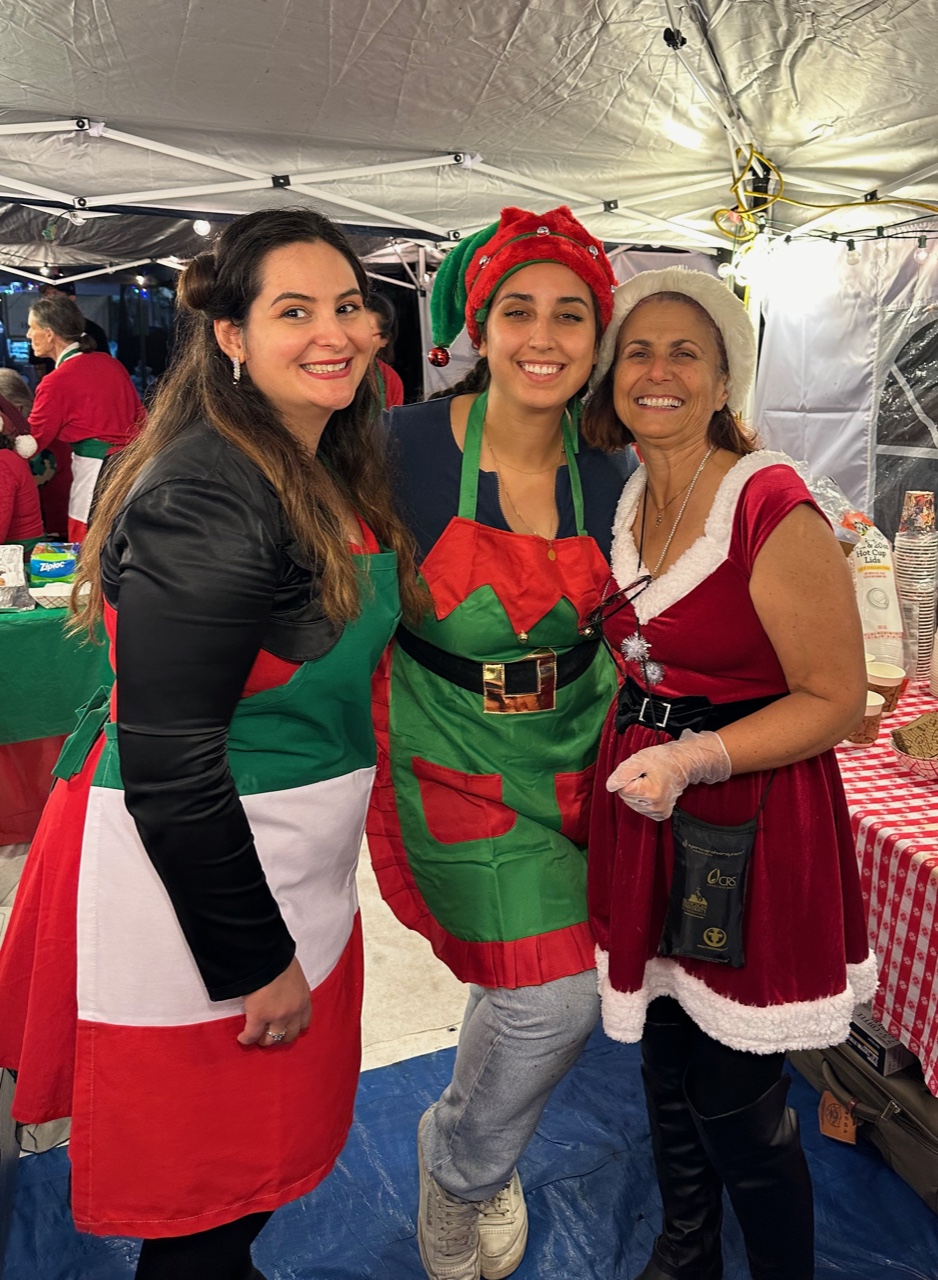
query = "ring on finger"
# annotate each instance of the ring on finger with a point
(276, 1036)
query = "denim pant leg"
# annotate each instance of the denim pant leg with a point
(515, 1045)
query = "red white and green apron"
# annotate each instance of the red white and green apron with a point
(87, 459)
(478, 821)
(176, 1127)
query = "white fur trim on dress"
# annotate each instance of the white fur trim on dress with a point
(803, 1024)
(719, 302)
(702, 557)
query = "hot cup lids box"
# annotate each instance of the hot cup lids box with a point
(875, 1045)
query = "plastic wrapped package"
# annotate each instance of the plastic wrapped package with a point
(14, 594)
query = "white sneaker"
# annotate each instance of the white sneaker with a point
(447, 1228)
(503, 1230)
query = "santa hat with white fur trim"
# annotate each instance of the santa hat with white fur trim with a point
(724, 308)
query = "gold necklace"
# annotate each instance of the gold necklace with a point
(659, 511)
(677, 519)
(551, 553)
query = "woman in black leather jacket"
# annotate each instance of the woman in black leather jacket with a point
(182, 974)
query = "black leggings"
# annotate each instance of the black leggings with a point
(718, 1079)
(224, 1253)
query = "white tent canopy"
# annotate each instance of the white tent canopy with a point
(425, 117)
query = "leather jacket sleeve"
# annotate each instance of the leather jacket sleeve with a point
(191, 567)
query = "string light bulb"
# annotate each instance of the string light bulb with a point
(853, 253)
(921, 253)
(202, 227)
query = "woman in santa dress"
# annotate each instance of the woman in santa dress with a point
(734, 616)
(188, 907)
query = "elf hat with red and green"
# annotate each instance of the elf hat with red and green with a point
(471, 273)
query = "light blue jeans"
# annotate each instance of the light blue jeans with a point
(515, 1045)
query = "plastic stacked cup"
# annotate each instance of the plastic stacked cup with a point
(916, 565)
(867, 731)
(886, 679)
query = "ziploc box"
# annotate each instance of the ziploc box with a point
(52, 562)
(875, 1045)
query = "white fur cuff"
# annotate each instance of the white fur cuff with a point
(802, 1024)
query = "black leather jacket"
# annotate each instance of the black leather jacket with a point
(204, 572)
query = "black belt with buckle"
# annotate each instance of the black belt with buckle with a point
(674, 715)
(532, 680)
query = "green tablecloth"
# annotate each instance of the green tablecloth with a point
(45, 674)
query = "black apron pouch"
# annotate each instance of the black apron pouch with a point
(708, 892)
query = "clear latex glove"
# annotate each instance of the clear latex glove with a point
(651, 780)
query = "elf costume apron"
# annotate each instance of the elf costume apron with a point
(176, 1127)
(478, 822)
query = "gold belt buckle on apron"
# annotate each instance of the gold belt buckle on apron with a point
(496, 701)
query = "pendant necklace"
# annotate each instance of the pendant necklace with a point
(551, 553)
(677, 518)
(659, 511)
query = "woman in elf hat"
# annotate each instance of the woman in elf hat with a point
(735, 931)
(478, 824)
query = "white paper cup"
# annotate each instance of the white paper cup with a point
(885, 678)
(867, 731)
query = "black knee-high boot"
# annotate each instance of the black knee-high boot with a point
(691, 1192)
(757, 1151)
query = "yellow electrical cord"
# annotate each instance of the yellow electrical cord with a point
(745, 218)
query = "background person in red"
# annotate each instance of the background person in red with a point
(20, 516)
(390, 387)
(87, 401)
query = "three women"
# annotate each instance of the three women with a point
(245, 627)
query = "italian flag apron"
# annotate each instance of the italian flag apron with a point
(177, 1128)
(478, 821)
(87, 458)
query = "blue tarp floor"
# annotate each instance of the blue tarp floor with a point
(589, 1181)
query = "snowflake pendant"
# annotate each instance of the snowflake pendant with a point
(636, 648)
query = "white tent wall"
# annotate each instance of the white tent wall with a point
(847, 373)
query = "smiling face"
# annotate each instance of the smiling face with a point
(540, 335)
(41, 339)
(668, 381)
(307, 339)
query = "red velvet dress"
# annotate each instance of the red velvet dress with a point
(807, 956)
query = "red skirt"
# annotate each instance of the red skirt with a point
(175, 1129)
(808, 960)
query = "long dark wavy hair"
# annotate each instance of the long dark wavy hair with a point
(604, 429)
(348, 465)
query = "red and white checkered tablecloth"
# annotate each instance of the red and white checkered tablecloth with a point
(895, 822)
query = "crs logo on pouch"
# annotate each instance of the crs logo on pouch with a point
(714, 938)
(722, 882)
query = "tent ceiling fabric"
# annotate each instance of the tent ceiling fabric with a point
(582, 96)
